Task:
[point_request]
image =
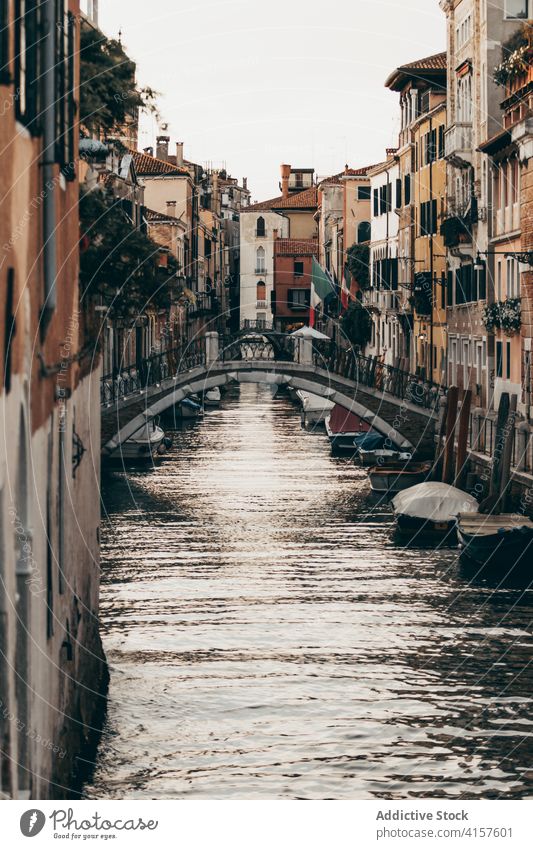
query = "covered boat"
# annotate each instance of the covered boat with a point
(342, 427)
(212, 397)
(392, 477)
(431, 507)
(496, 540)
(190, 408)
(146, 444)
(314, 408)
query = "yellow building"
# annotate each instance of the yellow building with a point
(421, 201)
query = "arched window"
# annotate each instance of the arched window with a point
(260, 261)
(261, 291)
(260, 231)
(363, 232)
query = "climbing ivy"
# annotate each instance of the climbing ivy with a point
(109, 94)
(358, 261)
(119, 263)
(356, 324)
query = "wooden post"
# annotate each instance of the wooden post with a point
(507, 456)
(436, 472)
(451, 418)
(489, 503)
(462, 441)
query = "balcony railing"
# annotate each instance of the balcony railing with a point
(458, 144)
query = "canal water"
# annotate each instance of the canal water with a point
(268, 638)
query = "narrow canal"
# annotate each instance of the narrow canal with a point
(267, 638)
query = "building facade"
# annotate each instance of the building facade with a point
(475, 31)
(52, 670)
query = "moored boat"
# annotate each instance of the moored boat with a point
(392, 477)
(212, 397)
(147, 444)
(504, 540)
(314, 408)
(431, 508)
(342, 427)
(380, 456)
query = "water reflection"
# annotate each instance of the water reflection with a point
(268, 638)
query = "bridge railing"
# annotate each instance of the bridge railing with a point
(134, 377)
(371, 373)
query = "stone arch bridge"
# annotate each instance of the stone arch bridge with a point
(399, 405)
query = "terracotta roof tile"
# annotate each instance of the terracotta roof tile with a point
(154, 217)
(437, 62)
(296, 247)
(307, 199)
(432, 65)
(150, 166)
(359, 172)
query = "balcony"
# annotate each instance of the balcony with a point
(458, 145)
(206, 304)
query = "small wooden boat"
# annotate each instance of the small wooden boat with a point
(190, 408)
(496, 540)
(212, 397)
(393, 477)
(342, 427)
(431, 508)
(380, 456)
(147, 444)
(314, 408)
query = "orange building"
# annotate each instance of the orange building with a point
(51, 663)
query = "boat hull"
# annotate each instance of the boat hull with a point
(507, 549)
(391, 481)
(412, 525)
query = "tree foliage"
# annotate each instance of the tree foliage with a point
(108, 91)
(118, 262)
(357, 324)
(358, 261)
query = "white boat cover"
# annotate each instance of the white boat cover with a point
(314, 403)
(436, 501)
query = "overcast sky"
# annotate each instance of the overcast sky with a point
(253, 83)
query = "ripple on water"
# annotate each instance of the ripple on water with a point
(268, 639)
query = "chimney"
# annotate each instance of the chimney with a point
(245, 183)
(171, 208)
(149, 151)
(179, 154)
(162, 147)
(285, 174)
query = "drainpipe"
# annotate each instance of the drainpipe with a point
(47, 164)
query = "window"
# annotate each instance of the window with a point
(407, 189)
(363, 232)
(363, 193)
(465, 285)
(398, 193)
(65, 83)
(4, 43)
(9, 327)
(261, 291)
(299, 299)
(298, 269)
(508, 360)
(376, 203)
(499, 359)
(428, 218)
(260, 266)
(516, 8)
(440, 153)
(26, 62)
(260, 227)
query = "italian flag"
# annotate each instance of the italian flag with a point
(321, 286)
